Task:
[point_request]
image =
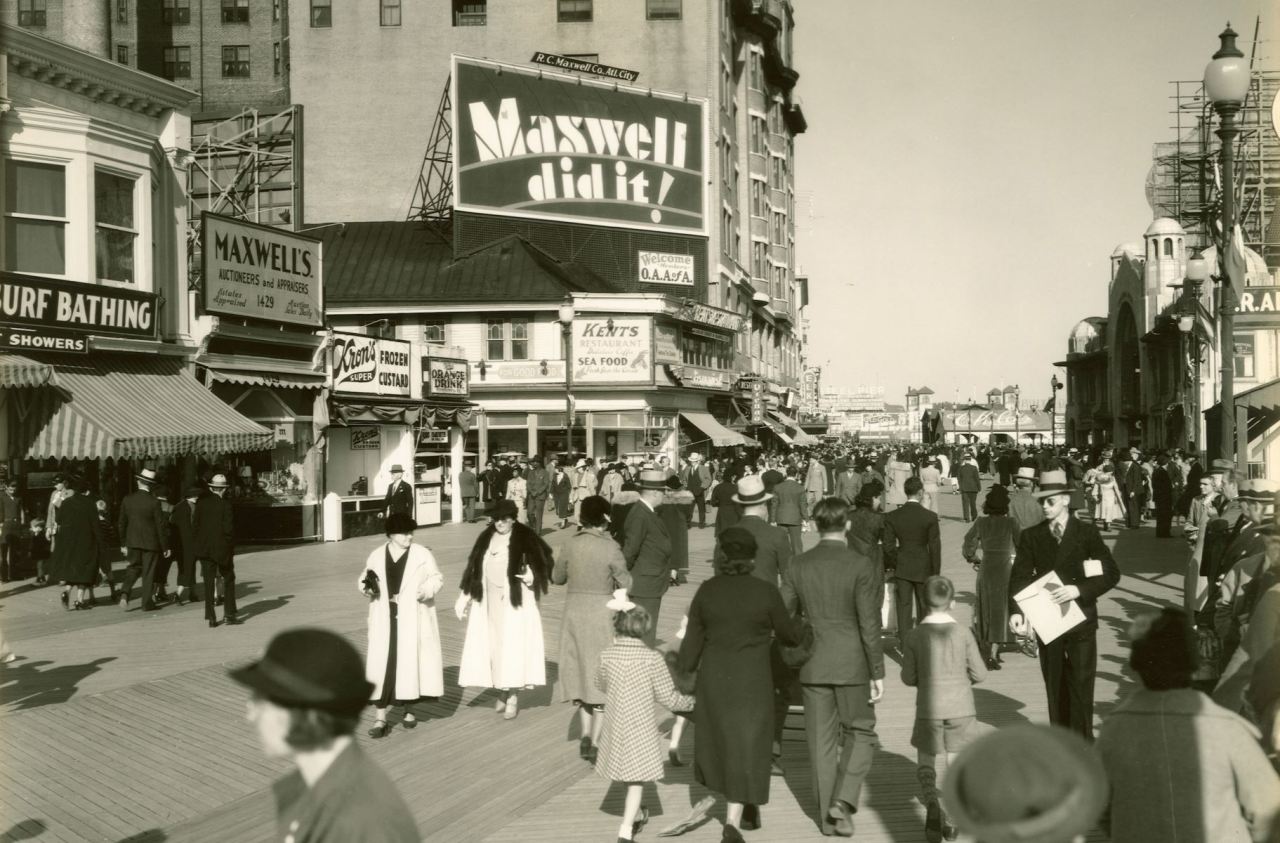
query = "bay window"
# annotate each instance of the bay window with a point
(35, 223)
(115, 232)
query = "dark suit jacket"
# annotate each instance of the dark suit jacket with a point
(182, 522)
(468, 484)
(848, 484)
(141, 523)
(773, 549)
(913, 544)
(791, 505)
(835, 590)
(10, 516)
(1039, 553)
(1135, 481)
(537, 483)
(647, 549)
(1161, 487)
(399, 498)
(968, 478)
(214, 529)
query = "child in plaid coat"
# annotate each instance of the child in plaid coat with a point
(633, 676)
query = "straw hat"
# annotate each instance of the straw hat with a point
(653, 480)
(1052, 483)
(751, 490)
(147, 475)
(218, 481)
(1025, 472)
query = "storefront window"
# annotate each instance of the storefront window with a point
(705, 349)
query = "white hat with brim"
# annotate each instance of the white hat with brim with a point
(751, 490)
(652, 479)
(218, 481)
(1025, 472)
(147, 475)
(1052, 483)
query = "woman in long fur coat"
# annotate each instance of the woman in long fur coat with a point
(508, 570)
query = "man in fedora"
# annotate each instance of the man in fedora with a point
(647, 547)
(1023, 505)
(215, 548)
(399, 499)
(700, 481)
(143, 535)
(182, 523)
(912, 553)
(1074, 551)
(308, 690)
(791, 507)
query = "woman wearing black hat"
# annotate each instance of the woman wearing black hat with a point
(401, 580)
(995, 534)
(732, 621)
(75, 556)
(506, 574)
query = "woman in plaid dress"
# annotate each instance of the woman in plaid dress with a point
(633, 676)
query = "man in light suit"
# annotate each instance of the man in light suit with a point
(791, 508)
(1076, 553)
(144, 535)
(912, 553)
(399, 497)
(215, 548)
(647, 548)
(815, 482)
(844, 676)
(468, 490)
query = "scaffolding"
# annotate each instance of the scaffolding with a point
(1185, 181)
(432, 202)
(244, 167)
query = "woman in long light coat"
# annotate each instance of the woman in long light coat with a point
(1111, 506)
(401, 580)
(507, 572)
(518, 492)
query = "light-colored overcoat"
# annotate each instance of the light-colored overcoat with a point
(419, 667)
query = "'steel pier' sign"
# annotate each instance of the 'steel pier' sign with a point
(260, 272)
(557, 147)
(75, 306)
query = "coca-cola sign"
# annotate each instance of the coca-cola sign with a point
(365, 365)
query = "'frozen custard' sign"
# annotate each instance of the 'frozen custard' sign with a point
(365, 365)
(546, 145)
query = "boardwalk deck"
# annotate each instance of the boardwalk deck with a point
(124, 726)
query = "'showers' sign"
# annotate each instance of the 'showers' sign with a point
(665, 268)
(364, 365)
(260, 272)
(42, 339)
(612, 350)
(73, 306)
(545, 145)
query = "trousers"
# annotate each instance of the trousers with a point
(1164, 520)
(653, 605)
(142, 562)
(969, 505)
(537, 509)
(1069, 666)
(209, 570)
(794, 536)
(700, 504)
(905, 593)
(836, 714)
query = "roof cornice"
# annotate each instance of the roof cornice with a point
(54, 63)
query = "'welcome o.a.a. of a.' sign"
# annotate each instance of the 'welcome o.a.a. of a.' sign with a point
(536, 143)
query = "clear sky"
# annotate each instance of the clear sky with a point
(969, 167)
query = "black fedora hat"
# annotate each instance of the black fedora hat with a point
(309, 668)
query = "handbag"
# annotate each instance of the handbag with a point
(370, 584)
(796, 656)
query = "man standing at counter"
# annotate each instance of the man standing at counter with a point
(399, 499)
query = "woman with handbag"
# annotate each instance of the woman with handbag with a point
(732, 622)
(995, 535)
(401, 580)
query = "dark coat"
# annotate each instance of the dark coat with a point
(527, 549)
(913, 544)
(968, 478)
(492, 481)
(537, 482)
(399, 498)
(647, 549)
(142, 522)
(728, 513)
(560, 490)
(674, 511)
(1039, 553)
(183, 531)
(214, 529)
(791, 504)
(773, 549)
(10, 516)
(1161, 487)
(835, 589)
(79, 542)
(732, 621)
(866, 536)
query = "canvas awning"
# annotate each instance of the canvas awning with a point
(790, 432)
(1265, 397)
(18, 371)
(279, 380)
(128, 406)
(719, 435)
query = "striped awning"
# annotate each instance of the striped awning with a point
(279, 380)
(16, 371)
(130, 406)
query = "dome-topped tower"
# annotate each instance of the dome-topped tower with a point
(1166, 257)
(1135, 251)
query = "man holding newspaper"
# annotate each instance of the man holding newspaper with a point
(1061, 569)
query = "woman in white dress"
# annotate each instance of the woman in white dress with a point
(401, 580)
(517, 492)
(931, 477)
(508, 570)
(1110, 504)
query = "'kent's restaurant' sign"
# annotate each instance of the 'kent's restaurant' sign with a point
(74, 306)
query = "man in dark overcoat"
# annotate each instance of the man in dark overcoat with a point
(182, 522)
(844, 676)
(647, 548)
(10, 530)
(537, 485)
(214, 537)
(143, 536)
(399, 498)
(912, 553)
(791, 507)
(969, 482)
(79, 544)
(1076, 553)
(1162, 496)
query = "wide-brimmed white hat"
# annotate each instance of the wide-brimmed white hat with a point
(652, 479)
(218, 481)
(1052, 483)
(751, 490)
(1025, 472)
(147, 475)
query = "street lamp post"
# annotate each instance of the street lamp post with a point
(1197, 272)
(565, 317)
(1017, 422)
(1226, 84)
(1054, 386)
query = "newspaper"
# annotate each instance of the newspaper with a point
(1049, 620)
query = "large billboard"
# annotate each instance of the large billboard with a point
(546, 145)
(260, 272)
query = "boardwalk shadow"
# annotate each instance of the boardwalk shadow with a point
(891, 791)
(25, 685)
(25, 830)
(446, 706)
(996, 709)
(151, 835)
(261, 607)
(612, 803)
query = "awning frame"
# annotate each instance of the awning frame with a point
(717, 434)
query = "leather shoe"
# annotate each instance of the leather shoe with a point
(731, 835)
(949, 831)
(233, 620)
(933, 822)
(410, 723)
(751, 820)
(673, 756)
(379, 730)
(212, 624)
(840, 825)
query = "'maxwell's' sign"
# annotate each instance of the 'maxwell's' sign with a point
(546, 145)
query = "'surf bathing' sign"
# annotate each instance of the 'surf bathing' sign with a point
(545, 145)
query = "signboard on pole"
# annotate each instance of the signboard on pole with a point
(607, 350)
(757, 402)
(259, 272)
(541, 144)
(363, 365)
